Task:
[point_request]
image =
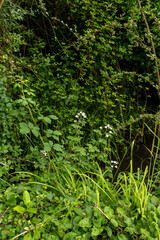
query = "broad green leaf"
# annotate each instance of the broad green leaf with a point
(154, 200)
(77, 220)
(19, 209)
(55, 137)
(28, 237)
(97, 231)
(48, 146)
(26, 199)
(49, 132)
(24, 128)
(58, 133)
(53, 117)
(92, 148)
(70, 236)
(128, 221)
(114, 222)
(30, 125)
(109, 231)
(122, 237)
(53, 237)
(145, 233)
(121, 211)
(129, 229)
(89, 211)
(11, 200)
(37, 234)
(109, 212)
(30, 101)
(58, 147)
(85, 223)
(47, 120)
(32, 210)
(78, 211)
(35, 132)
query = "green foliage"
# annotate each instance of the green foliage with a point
(70, 210)
(78, 89)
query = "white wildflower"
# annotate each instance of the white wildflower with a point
(108, 126)
(83, 114)
(115, 162)
(75, 121)
(107, 135)
(110, 132)
(101, 127)
(44, 152)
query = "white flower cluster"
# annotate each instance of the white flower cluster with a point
(114, 164)
(109, 129)
(44, 152)
(80, 114)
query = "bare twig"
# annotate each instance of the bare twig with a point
(23, 233)
(18, 159)
(4, 213)
(2, 164)
(1, 4)
(102, 212)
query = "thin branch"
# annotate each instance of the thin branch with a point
(1, 4)
(4, 213)
(21, 234)
(18, 159)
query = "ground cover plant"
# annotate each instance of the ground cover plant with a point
(79, 129)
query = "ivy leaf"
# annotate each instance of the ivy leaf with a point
(19, 209)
